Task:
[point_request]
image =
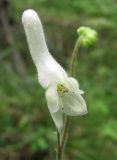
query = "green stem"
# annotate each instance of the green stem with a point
(62, 142)
(65, 133)
(58, 155)
(74, 56)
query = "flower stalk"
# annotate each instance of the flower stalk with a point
(74, 56)
(58, 153)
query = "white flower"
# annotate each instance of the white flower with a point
(62, 92)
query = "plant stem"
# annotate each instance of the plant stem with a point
(65, 134)
(58, 146)
(63, 138)
(74, 56)
(61, 142)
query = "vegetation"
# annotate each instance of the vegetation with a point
(26, 128)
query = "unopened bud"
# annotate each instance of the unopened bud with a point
(88, 36)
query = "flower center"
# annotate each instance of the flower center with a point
(61, 89)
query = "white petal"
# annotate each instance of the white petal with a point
(73, 104)
(80, 91)
(52, 98)
(74, 85)
(48, 69)
(34, 33)
(58, 119)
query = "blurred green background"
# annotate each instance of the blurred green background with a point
(26, 128)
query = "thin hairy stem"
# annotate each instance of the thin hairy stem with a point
(74, 56)
(65, 133)
(58, 155)
(61, 142)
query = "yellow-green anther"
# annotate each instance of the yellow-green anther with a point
(61, 89)
(88, 36)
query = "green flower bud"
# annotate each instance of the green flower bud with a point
(88, 36)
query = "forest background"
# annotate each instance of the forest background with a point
(26, 128)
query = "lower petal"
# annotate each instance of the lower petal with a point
(58, 120)
(73, 104)
(52, 98)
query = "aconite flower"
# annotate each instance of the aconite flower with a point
(62, 92)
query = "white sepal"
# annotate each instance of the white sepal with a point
(73, 104)
(48, 69)
(35, 35)
(74, 85)
(52, 98)
(58, 119)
